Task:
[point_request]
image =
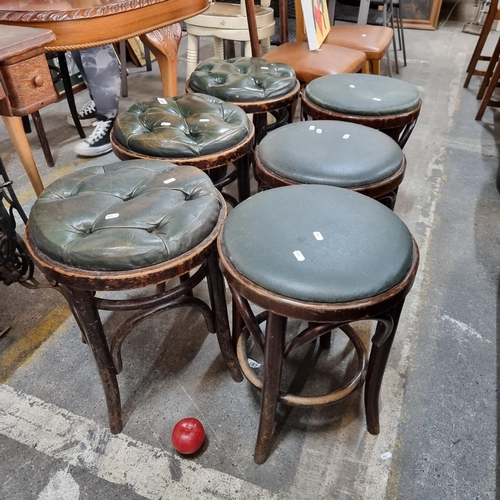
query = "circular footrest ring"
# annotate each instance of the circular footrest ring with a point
(295, 400)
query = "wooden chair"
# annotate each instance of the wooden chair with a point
(128, 226)
(477, 55)
(309, 65)
(227, 21)
(288, 252)
(372, 38)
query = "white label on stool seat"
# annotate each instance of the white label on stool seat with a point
(161, 100)
(168, 181)
(352, 86)
(346, 136)
(311, 127)
(264, 67)
(112, 216)
(319, 131)
(318, 236)
(165, 124)
(299, 256)
(376, 99)
(386, 455)
(204, 119)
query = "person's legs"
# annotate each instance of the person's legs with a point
(101, 73)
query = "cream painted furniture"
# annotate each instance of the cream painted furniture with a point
(227, 21)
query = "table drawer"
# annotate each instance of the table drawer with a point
(29, 85)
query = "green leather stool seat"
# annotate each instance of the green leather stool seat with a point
(318, 243)
(243, 79)
(185, 126)
(330, 152)
(124, 216)
(363, 94)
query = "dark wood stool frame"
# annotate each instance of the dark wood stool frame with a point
(384, 191)
(398, 126)
(79, 288)
(239, 155)
(384, 308)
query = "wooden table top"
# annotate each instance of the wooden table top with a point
(88, 23)
(15, 40)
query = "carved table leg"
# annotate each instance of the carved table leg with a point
(14, 126)
(164, 44)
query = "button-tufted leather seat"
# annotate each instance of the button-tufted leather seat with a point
(331, 152)
(185, 126)
(326, 256)
(189, 129)
(254, 84)
(147, 212)
(243, 79)
(380, 102)
(126, 226)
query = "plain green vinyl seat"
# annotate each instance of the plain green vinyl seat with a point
(380, 102)
(326, 256)
(333, 153)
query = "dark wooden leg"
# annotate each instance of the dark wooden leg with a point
(243, 167)
(476, 55)
(221, 320)
(376, 367)
(87, 316)
(183, 278)
(123, 67)
(260, 124)
(273, 360)
(489, 71)
(37, 120)
(486, 101)
(68, 89)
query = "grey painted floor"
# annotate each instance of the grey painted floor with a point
(438, 416)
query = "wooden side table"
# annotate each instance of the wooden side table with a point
(25, 87)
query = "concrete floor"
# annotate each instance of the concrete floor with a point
(438, 417)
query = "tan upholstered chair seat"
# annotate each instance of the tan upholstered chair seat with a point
(332, 60)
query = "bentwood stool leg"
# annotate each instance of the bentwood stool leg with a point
(84, 307)
(273, 361)
(218, 299)
(381, 347)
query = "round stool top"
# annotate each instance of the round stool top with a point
(185, 126)
(330, 152)
(124, 216)
(362, 94)
(317, 243)
(243, 79)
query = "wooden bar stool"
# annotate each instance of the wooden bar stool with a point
(389, 105)
(334, 153)
(477, 55)
(126, 226)
(189, 129)
(324, 255)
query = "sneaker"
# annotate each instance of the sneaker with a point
(98, 142)
(87, 115)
